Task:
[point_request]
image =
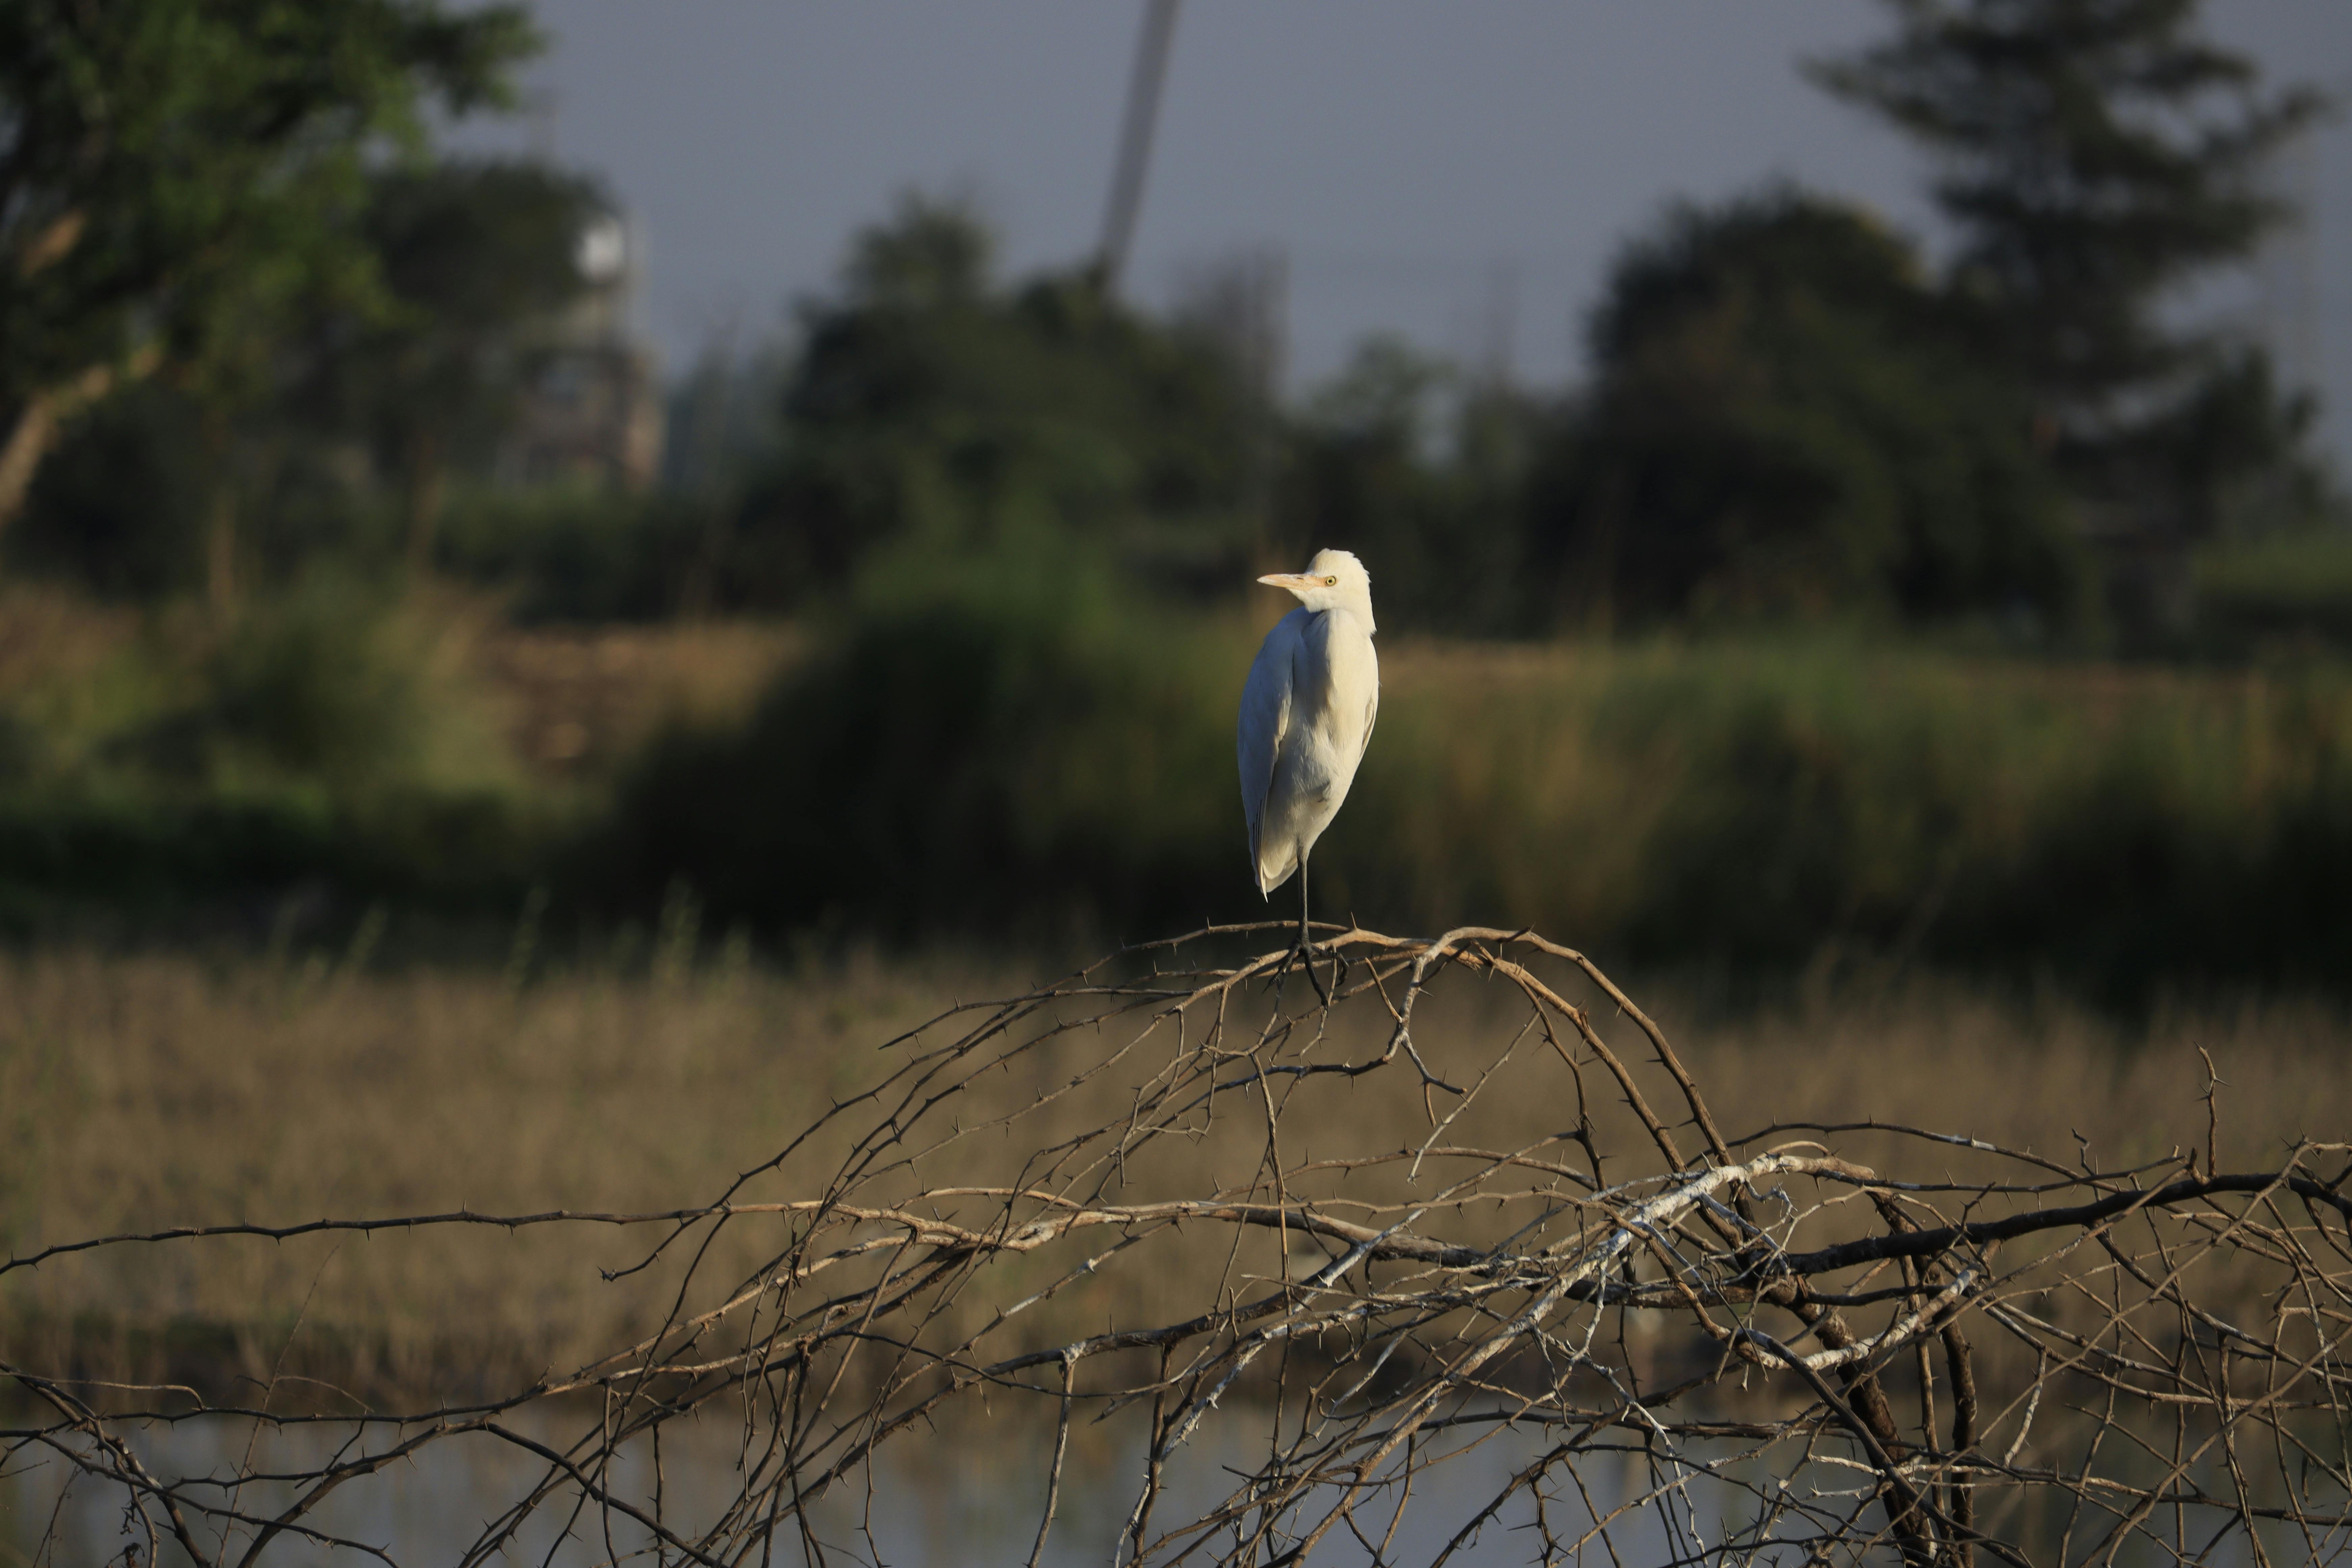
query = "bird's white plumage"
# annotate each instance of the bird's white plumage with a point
(1306, 715)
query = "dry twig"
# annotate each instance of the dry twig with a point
(2159, 1364)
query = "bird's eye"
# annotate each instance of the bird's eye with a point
(1330, 581)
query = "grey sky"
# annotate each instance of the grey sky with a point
(1461, 173)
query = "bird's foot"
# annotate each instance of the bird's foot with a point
(1303, 955)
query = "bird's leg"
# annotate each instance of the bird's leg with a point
(1304, 943)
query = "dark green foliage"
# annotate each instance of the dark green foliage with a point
(475, 260)
(313, 687)
(114, 509)
(1010, 748)
(360, 409)
(2228, 458)
(1002, 741)
(468, 247)
(218, 864)
(1754, 861)
(225, 200)
(2141, 881)
(2094, 156)
(576, 554)
(476, 263)
(2094, 153)
(1435, 511)
(2170, 844)
(1788, 419)
(176, 170)
(2278, 591)
(927, 395)
(329, 737)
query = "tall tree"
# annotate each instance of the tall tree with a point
(1788, 419)
(479, 259)
(2094, 156)
(929, 394)
(1421, 469)
(165, 163)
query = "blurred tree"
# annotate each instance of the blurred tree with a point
(2095, 156)
(266, 446)
(1396, 459)
(476, 257)
(927, 395)
(227, 366)
(120, 506)
(169, 166)
(1787, 418)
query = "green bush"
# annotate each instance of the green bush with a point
(569, 554)
(996, 745)
(1787, 420)
(2293, 587)
(1013, 744)
(992, 741)
(333, 734)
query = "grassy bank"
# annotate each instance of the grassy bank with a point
(1041, 753)
(1019, 749)
(150, 1091)
(146, 1092)
(1771, 804)
(340, 747)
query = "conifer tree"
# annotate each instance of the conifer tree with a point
(2094, 156)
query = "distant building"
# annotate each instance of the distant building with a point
(593, 408)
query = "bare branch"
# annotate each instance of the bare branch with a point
(1320, 1214)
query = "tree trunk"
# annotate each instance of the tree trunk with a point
(29, 441)
(38, 423)
(428, 487)
(220, 552)
(220, 518)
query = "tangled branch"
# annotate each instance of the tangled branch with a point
(1408, 1232)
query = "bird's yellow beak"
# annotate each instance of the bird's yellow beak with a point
(1297, 582)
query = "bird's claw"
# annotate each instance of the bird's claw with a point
(1304, 957)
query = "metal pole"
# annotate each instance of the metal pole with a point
(1126, 202)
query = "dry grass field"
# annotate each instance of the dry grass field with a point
(144, 1092)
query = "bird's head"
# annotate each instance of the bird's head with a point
(1334, 580)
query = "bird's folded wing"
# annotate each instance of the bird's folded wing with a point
(1266, 704)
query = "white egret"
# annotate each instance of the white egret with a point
(1306, 713)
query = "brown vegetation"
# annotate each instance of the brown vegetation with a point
(150, 1091)
(143, 1092)
(2039, 1281)
(588, 700)
(574, 699)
